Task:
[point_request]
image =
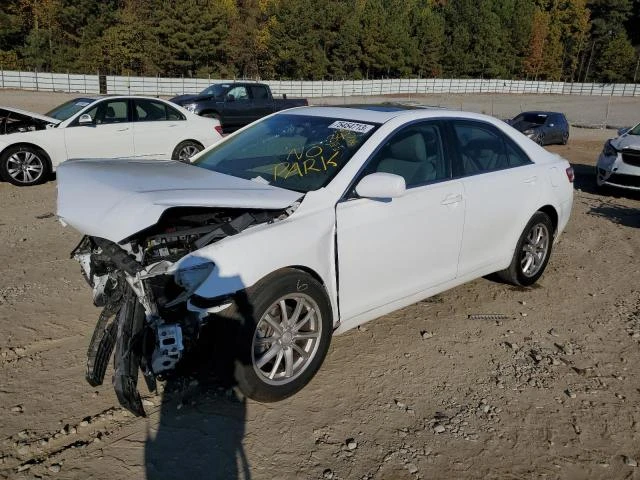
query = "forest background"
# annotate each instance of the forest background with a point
(562, 40)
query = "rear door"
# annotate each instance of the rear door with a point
(157, 128)
(110, 135)
(501, 189)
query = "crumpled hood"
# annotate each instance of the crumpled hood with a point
(114, 199)
(626, 141)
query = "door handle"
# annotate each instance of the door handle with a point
(451, 199)
(531, 179)
(122, 129)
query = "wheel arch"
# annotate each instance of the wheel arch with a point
(552, 213)
(47, 158)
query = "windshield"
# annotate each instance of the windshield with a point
(295, 152)
(216, 90)
(529, 119)
(635, 130)
(69, 109)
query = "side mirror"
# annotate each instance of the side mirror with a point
(622, 131)
(230, 98)
(381, 185)
(85, 119)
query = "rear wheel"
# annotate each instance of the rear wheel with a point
(286, 330)
(24, 165)
(185, 150)
(532, 252)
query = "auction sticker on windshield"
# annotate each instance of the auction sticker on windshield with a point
(353, 126)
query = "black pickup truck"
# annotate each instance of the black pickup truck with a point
(236, 104)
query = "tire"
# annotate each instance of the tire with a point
(521, 272)
(565, 138)
(24, 165)
(540, 140)
(257, 358)
(185, 150)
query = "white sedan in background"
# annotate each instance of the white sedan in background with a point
(33, 145)
(304, 224)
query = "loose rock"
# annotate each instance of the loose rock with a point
(55, 468)
(437, 428)
(351, 444)
(631, 462)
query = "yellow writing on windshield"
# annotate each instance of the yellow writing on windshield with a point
(302, 163)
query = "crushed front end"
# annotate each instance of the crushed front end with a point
(146, 318)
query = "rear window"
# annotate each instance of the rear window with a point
(295, 152)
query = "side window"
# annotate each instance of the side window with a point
(517, 158)
(258, 92)
(415, 153)
(173, 114)
(111, 111)
(239, 93)
(483, 148)
(149, 111)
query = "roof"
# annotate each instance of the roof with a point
(540, 112)
(382, 115)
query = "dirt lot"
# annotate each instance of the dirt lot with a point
(550, 390)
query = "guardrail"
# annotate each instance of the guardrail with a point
(122, 85)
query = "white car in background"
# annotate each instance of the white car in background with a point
(619, 162)
(33, 145)
(304, 224)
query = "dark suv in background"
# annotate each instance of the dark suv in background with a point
(236, 104)
(543, 128)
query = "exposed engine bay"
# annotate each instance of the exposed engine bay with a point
(147, 317)
(14, 122)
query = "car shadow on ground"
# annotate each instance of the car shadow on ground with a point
(585, 181)
(202, 418)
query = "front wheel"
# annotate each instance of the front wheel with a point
(24, 166)
(565, 138)
(532, 252)
(287, 325)
(185, 150)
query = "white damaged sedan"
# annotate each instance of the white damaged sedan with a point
(302, 225)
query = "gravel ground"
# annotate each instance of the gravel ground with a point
(547, 386)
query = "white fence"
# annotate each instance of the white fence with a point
(62, 82)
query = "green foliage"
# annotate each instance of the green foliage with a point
(566, 40)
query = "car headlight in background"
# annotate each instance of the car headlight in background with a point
(190, 278)
(609, 150)
(191, 107)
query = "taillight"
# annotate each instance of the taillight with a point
(570, 174)
(218, 129)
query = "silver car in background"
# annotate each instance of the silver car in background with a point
(619, 162)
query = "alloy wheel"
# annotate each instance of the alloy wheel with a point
(534, 250)
(25, 167)
(286, 339)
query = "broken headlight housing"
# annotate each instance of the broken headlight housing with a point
(191, 277)
(609, 150)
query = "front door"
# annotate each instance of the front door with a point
(110, 135)
(389, 249)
